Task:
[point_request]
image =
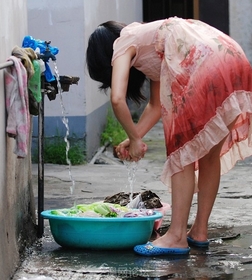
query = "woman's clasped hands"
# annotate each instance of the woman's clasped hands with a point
(131, 150)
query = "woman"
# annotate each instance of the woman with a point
(201, 86)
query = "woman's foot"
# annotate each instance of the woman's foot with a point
(170, 241)
(197, 233)
(167, 244)
(199, 244)
(197, 239)
(149, 249)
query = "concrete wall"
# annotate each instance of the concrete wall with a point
(240, 14)
(61, 22)
(16, 199)
(68, 25)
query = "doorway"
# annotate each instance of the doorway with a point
(213, 12)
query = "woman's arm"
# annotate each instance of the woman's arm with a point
(120, 77)
(119, 84)
(150, 116)
(152, 112)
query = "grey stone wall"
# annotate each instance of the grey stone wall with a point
(17, 215)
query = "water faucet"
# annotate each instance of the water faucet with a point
(47, 54)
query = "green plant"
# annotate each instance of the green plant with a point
(55, 152)
(113, 131)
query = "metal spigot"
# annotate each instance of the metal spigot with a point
(51, 88)
(47, 53)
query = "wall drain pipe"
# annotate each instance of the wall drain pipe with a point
(45, 56)
(40, 231)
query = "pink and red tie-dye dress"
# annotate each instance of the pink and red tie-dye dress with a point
(205, 84)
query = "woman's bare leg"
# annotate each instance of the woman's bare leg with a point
(183, 184)
(209, 180)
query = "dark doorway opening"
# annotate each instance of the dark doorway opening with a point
(213, 12)
(161, 9)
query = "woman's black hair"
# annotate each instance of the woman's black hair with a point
(99, 55)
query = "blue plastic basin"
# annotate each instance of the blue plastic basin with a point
(101, 233)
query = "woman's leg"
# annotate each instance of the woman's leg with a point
(209, 180)
(183, 184)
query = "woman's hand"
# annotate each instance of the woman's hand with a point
(122, 150)
(132, 150)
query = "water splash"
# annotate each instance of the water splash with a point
(132, 168)
(65, 122)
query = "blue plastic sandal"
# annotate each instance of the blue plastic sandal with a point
(149, 249)
(195, 243)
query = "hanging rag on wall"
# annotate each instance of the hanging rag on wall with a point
(33, 68)
(17, 105)
(27, 55)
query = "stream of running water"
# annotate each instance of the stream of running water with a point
(65, 122)
(132, 168)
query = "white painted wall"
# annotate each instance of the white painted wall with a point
(62, 23)
(240, 15)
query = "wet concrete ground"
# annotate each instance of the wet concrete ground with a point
(225, 259)
(229, 255)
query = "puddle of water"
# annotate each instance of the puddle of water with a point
(244, 241)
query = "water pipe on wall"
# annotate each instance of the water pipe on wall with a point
(6, 64)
